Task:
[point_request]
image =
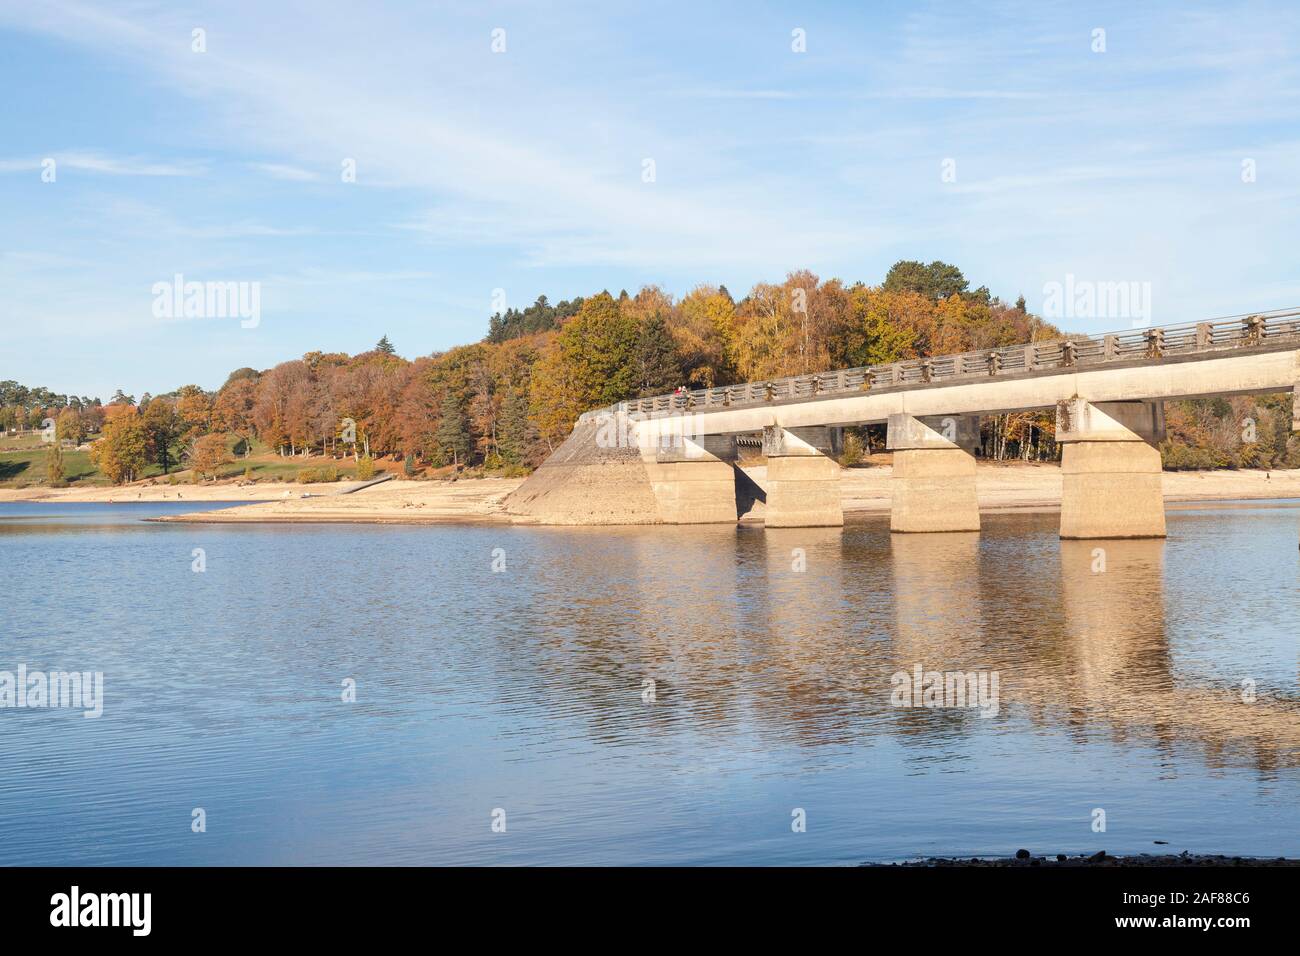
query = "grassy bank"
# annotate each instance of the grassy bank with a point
(22, 465)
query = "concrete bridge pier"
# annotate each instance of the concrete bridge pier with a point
(1110, 469)
(694, 479)
(803, 482)
(934, 473)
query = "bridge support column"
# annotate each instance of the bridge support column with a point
(694, 480)
(803, 484)
(934, 473)
(1110, 469)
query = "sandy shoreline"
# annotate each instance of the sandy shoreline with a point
(265, 491)
(1001, 487)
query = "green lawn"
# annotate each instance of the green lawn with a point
(18, 467)
(285, 469)
(26, 466)
(23, 442)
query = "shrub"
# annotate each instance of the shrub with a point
(325, 473)
(54, 469)
(1179, 457)
(853, 450)
(365, 468)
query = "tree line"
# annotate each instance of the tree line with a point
(505, 402)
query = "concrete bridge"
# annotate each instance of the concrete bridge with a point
(671, 458)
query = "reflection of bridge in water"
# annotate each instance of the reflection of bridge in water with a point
(1098, 654)
(738, 639)
(671, 459)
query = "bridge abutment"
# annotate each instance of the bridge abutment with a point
(803, 482)
(933, 488)
(1110, 469)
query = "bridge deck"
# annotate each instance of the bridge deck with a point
(1146, 347)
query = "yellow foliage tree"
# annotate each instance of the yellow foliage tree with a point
(120, 452)
(705, 335)
(208, 455)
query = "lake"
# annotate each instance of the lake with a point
(645, 695)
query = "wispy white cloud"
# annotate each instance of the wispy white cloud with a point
(724, 94)
(824, 95)
(95, 162)
(286, 172)
(242, 230)
(940, 93)
(315, 277)
(298, 102)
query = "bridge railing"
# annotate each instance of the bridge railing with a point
(1075, 350)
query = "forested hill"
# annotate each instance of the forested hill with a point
(504, 402)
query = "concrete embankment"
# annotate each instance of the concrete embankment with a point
(584, 483)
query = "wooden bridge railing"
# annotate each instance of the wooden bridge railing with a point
(1151, 344)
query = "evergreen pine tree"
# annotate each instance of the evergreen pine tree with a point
(452, 435)
(657, 368)
(516, 435)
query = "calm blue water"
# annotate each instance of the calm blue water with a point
(522, 690)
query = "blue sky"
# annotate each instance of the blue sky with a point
(523, 170)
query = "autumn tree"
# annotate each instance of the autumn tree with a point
(270, 407)
(120, 451)
(232, 410)
(417, 410)
(208, 454)
(879, 333)
(767, 334)
(92, 418)
(484, 407)
(368, 391)
(704, 333)
(70, 427)
(194, 410)
(589, 364)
